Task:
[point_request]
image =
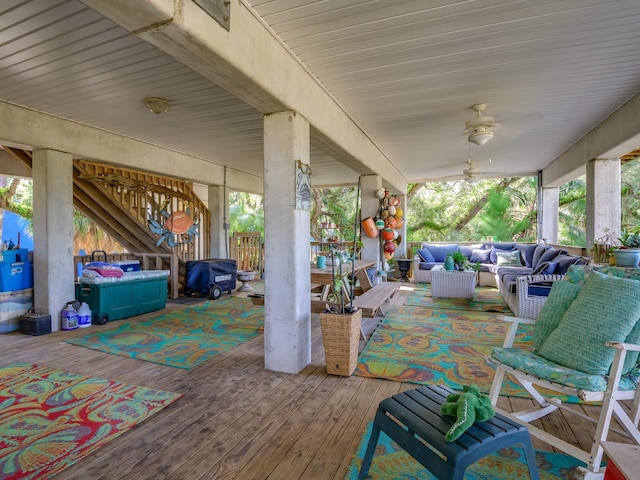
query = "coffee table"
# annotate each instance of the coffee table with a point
(452, 283)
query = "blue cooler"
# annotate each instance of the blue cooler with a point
(128, 265)
(16, 271)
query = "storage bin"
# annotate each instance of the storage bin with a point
(15, 255)
(125, 298)
(35, 322)
(12, 306)
(128, 265)
(16, 276)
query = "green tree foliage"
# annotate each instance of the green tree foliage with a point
(246, 212)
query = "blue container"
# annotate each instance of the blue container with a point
(16, 276)
(128, 265)
(16, 255)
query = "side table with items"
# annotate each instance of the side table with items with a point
(452, 283)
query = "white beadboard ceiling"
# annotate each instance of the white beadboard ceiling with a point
(407, 71)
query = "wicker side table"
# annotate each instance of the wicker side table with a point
(452, 284)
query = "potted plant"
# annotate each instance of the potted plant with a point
(628, 254)
(340, 324)
(458, 260)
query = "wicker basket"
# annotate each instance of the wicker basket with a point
(340, 336)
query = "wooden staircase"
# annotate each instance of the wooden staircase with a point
(123, 202)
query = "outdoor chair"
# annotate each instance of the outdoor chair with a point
(586, 344)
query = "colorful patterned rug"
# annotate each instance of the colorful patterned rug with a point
(429, 345)
(390, 462)
(50, 418)
(182, 338)
(485, 299)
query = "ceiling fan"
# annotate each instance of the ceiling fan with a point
(479, 128)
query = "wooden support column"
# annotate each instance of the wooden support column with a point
(53, 232)
(370, 204)
(287, 335)
(604, 204)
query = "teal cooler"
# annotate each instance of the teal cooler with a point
(127, 298)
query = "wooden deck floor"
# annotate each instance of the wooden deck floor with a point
(236, 419)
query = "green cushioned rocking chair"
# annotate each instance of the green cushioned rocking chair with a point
(590, 351)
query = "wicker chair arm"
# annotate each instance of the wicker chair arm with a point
(529, 279)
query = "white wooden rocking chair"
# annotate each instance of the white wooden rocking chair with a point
(610, 395)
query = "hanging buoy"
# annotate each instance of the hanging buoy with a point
(369, 227)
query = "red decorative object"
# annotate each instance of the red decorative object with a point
(389, 247)
(387, 234)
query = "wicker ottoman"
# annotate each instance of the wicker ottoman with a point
(452, 284)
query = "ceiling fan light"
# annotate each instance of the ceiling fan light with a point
(480, 138)
(471, 179)
(157, 105)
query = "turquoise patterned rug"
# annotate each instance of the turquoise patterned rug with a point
(390, 462)
(182, 338)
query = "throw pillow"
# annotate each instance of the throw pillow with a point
(561, 296)
(494, 258)
(528, 255)
(545, 268)
(425, 255)
(565, 261)
(547, 256)
(510, 259)
(607, 308)
(440, 252)
(478, 255)
(537, 253)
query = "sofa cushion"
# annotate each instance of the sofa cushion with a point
(547, 256)
(565, 261)
(467, 250)
(440, 252)
(607, 308)
(508, 259)
(500, 245)
(537, 253)
(425, 255)
(478, 255)
(528, 255)
(545, 268)
(561, 296)
(427, 265)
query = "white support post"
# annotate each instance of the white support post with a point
(604, 204)
(370, 205)
(287, 336)
(219, 243)
(550, 207)
(53, 232)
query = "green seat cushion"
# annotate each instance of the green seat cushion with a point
(561, 296)
(606, 308)
(537, 366)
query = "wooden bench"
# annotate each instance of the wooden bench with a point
(371, 300)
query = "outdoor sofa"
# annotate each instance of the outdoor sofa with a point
(523, 272)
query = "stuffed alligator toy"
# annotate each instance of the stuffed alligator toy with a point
(468, 407)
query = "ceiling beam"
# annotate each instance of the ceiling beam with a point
(250, 63)
(25, 126)
(614, 137)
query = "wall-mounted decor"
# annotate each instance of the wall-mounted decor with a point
(303, 186)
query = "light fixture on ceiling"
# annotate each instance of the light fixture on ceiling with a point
(471, 173)
(480, 128)
(157, 105)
